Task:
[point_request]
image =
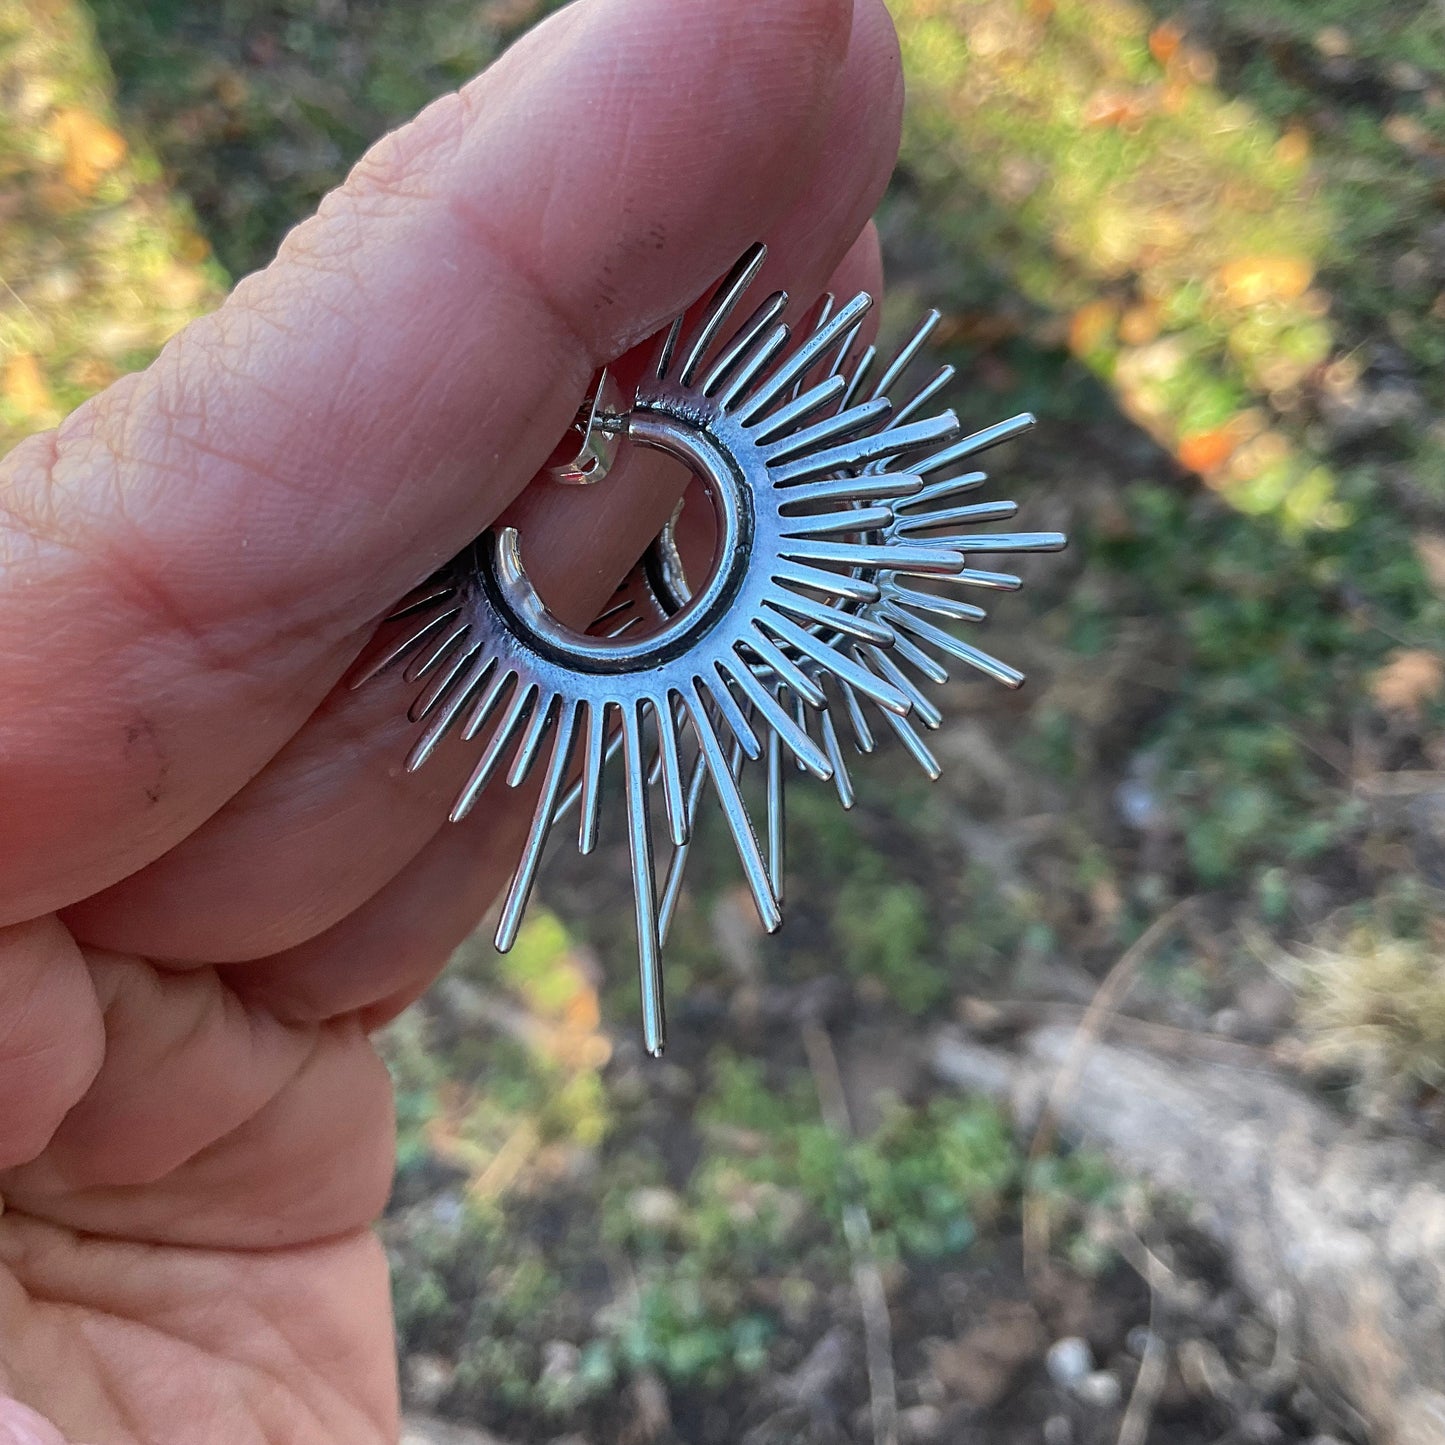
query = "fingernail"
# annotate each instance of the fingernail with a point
(20, 1425)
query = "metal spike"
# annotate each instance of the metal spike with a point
(956, 516)
(785, 668)
(746, 339)
(1010, 542)
(592, 766)
(724, 303)
(787, 418)
(857, 676)
(754, 364)
(671, 770)
(831, 428)
(745, 841)
(803, 359)
(542, 820)
(862, 450)
(441, 684)
(444, 720)
(799, 743)
(425, 662)
(837, 619)
(644, 885)
(526, 753)
(485, 770)
(979, 441)
(907, 352)
(398, 650)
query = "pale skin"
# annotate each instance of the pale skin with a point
(215, 880)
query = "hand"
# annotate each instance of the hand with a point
(214, 879)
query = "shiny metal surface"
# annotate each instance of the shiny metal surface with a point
(808, 490)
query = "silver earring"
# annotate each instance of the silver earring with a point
(822, 527)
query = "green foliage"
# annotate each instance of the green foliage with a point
(1071, 1189)
(536, 967)
(883, 930)
(464, 1270)
(259, 109)
(764, 1207)
(924, 1177)
(880, 923)
(676, 1327)
(1275, 655)
(99, 265)
(929, 1176)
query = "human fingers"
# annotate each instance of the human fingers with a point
(202, 545)
(333, 818)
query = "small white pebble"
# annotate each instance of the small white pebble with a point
(1139, 1340)
(655, 1208)
(1100, 1389)
(1069, 1360)
(1058, 1430)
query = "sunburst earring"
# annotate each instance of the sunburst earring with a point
(808, 489)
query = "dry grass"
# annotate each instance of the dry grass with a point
(1373, 1002)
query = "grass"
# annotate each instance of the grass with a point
(99, 263)
(1372, 997)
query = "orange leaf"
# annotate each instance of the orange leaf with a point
(1207, 451)
(1110, 107)
(1165, 40)
(1253, 279)
(1140, 324)
(1092, 326)
(92, 149)
(24, 385)
(194, 248)
(1292, 149)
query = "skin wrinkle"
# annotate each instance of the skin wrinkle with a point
(336, 607)
(115, 1394)
(114, 1378)
(59, 987)
(372, 731)
(248, 654)
(270, 1068)
(202, 1195)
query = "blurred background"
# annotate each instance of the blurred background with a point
(866, 1197)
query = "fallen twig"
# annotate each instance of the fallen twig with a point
(858, 1231)
(1349, 1225)
(1106, 1002)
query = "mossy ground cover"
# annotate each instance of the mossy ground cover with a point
(1203, 243)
